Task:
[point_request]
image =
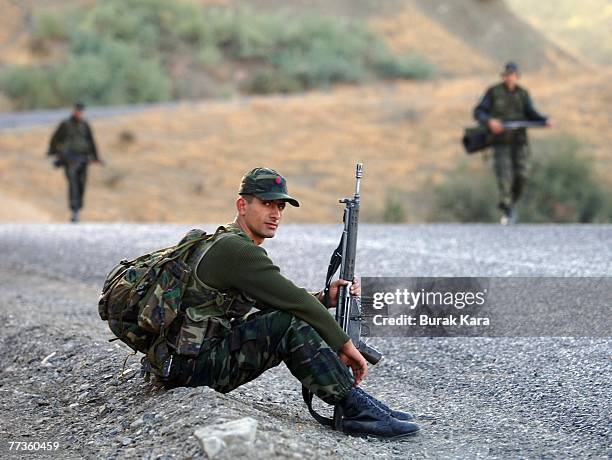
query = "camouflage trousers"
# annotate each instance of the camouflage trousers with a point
(510, 164)
(259, 342)
(76, 174)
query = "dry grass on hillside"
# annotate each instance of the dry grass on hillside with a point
(405, 33)
(585, 26)
(186, 162)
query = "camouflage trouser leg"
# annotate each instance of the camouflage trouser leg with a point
(260, 342)
(76, 173)
(510, 163)
(520, 158)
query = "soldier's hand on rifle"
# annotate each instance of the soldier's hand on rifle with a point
(495, 126)
(350, 356)
(354, 290)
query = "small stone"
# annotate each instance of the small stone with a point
(45, 361)
(212, 446)
(137, 423)
(126, 441)
(237, 433)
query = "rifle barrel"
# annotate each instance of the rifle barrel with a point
(523, 124)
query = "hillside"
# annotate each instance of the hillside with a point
(117, 52)
(458, 35)
(183, 162)
(585, 26)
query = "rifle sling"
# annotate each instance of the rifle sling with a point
(335, 422)
(334, 264)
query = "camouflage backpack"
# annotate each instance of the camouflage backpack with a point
(142, 297)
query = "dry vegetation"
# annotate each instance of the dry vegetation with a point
(584, 25)
(184, 163)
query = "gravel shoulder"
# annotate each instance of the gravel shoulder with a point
(61, 380)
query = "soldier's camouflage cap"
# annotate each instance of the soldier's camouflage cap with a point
(266, 184)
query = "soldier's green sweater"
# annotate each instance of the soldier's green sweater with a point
(236, 262)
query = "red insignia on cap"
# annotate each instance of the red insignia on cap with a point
(278, 180)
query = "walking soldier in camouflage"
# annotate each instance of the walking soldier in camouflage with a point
(213, 341)
(73, 147)
(506, 102)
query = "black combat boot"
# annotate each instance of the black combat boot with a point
(397, 414)
(360, 416)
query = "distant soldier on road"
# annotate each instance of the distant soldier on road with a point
(504, 102)
(73, 147)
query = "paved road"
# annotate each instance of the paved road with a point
(11, 120)
(474, 397)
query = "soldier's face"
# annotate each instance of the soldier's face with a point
(261, 218)
(511, 79)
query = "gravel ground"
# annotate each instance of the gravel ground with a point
(62, 381)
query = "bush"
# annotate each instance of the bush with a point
(209, 56)
(411, 66)
(108, 73)
(465, 197)
(312, 50)
(272, 81)
(124, 51)
(53, 26)
(562, 187)
(394, 211)
(30, 87)
(153, 25)
(114, 74)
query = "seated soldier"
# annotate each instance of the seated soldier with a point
(222, 347)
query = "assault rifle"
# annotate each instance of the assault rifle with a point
(348, 310)
(480, 137)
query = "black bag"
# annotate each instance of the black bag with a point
(476, 138)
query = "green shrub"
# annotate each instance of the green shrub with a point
(124, 51)
(30, 87)
(49, 27)
(151, 24)
(411, 66)
(312, 50)
(243, 33)
(109, 73)
(209, 56)
(114, 73)
(465, 197)
(562, 187)
(394, 211)
(272, 81)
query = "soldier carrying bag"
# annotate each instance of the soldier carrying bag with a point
(476, 138)
(142, 297)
